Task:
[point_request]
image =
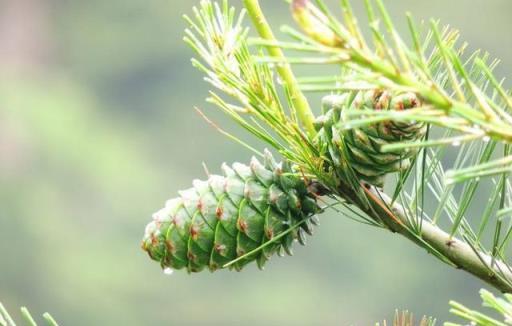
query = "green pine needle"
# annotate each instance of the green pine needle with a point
(7, 320)
(501, 306)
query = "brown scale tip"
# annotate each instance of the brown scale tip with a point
(170, 246)
(273, 198)
(146, 248)
(240, 252)
(269, 233)
(242, 226)
(299, 4)
(154, 240)
(219, 248)
(194, 232)
(219, 212)
(401, 106)
(191, 256)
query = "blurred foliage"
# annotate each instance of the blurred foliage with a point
(499, 307)
(405, 318)
(99, 137)
(7, 320)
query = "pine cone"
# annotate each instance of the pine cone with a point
(359, 149)
(228, 216)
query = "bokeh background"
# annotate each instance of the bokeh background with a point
(97, 130)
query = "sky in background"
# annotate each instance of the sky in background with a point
(97, 131)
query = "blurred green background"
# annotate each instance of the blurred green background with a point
(97, 130)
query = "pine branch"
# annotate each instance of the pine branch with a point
(453, 96)
(298, 99)
(436, 241)
(393, 99)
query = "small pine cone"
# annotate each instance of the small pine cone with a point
(225, 217)
(360, 148)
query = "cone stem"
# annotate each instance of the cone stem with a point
(300, 102)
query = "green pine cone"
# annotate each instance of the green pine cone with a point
(225, 217)
(360, 148)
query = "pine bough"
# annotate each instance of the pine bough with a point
(390, 116)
